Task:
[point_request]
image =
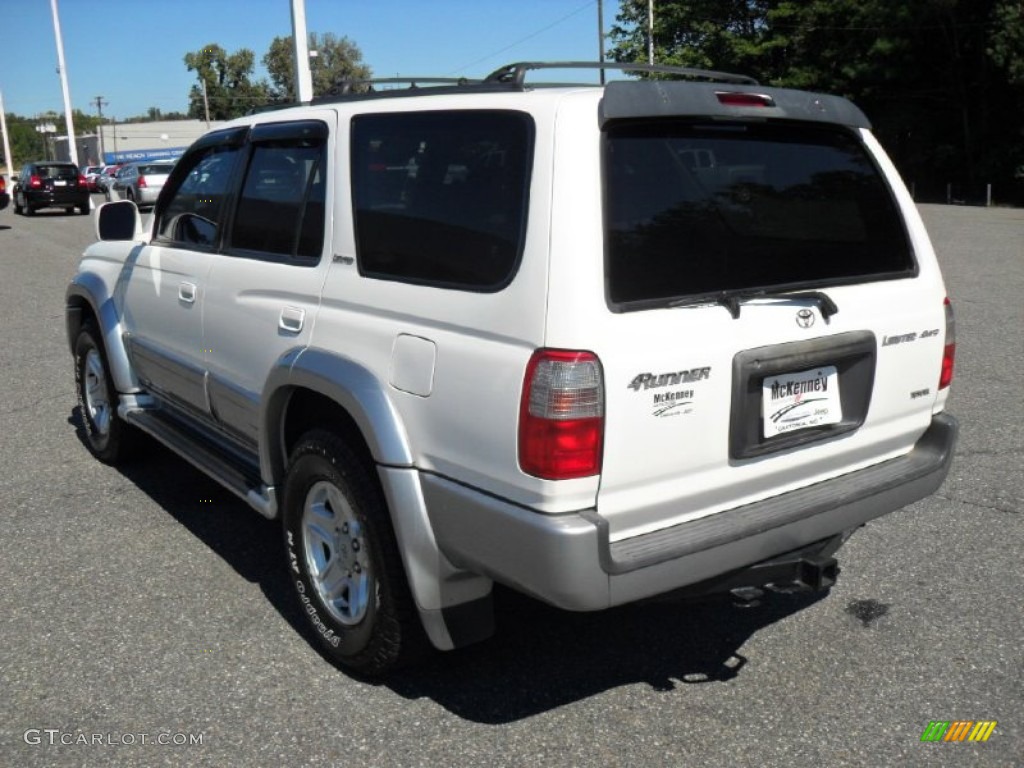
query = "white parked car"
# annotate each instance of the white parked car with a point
(593, 343)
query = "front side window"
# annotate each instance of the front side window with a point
(440, 198)
(700, 208)
(281, 208)
(195, 210)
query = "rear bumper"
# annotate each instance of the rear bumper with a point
(568, 560)
(56, 199)
(146, 196)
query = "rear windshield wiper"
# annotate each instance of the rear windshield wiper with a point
(731, 300)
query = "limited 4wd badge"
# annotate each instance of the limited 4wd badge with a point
(800, 400)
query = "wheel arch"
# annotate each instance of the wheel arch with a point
(353, 398)
(87, 301)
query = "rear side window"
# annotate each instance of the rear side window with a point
(694, 209)
(440, 197)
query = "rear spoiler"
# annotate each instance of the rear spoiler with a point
(624, 100)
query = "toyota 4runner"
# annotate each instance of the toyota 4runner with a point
(595, 343)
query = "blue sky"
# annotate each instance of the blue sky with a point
(130, 51)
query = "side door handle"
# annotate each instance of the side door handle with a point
(291, 319)
(187, 292)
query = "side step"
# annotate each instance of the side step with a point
(239, 476)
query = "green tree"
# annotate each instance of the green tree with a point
(337, 59)
(713, 34)
(941, 80)
(230, 89)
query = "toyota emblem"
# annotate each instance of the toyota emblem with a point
(805, 318)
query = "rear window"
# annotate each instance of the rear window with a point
(56, 171)
(156, 170)
(440, 197)
(696, 208)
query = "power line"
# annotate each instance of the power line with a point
(541, 31)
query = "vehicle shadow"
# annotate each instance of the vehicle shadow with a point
(540, 658)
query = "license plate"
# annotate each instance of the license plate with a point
(801, 400)
(60, 183)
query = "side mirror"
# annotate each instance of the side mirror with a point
(118, 220)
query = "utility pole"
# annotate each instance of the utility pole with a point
(100, 104)
(600, 35)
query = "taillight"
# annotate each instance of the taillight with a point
(81, 181)
(561, 415)
(35, 182)
(949, 351)
(142, 181)
(3, 184)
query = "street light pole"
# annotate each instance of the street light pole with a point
(62, 71)
(7, 143)
(45, 129)
(650, 32)
(303, 76)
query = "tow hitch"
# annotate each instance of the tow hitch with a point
(809, 569)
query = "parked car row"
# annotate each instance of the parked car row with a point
(61, 184)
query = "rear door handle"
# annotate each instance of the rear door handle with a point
(187, 292)
(291, 319)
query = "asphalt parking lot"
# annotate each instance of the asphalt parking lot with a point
(146, 621)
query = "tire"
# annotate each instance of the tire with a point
(84, 209)
(29, 210)
(109, 438)
(17, 207)
(343, 560)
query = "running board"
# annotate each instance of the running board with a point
(235, 474)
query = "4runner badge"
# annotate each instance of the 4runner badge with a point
(650, 381)
(805, 318)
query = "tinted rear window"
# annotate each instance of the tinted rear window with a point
(155, 170)
(56, 172)
(695, 209)
(440, 197)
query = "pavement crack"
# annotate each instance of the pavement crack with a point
(993, 507)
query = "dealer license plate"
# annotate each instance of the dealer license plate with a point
(801, 400)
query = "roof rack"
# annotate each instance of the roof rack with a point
(516, 73)
(368, 86)
(511, 77)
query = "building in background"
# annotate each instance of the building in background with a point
(130, 142)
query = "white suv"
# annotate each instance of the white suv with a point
(594, 343)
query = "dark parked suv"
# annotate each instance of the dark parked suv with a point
(50, 185)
